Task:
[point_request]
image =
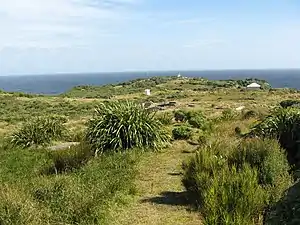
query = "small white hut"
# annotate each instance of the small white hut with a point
(253, 86)
(148, 92)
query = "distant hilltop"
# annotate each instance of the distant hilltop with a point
(161, 83)
(60, 83)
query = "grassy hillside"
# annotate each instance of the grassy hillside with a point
(72, 186)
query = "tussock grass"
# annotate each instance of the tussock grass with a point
(39, 131)
(124, 125)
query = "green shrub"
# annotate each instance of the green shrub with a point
(284, 125)
(182, 132)
(287, 210)
(223, 194)
(197, 120)
(124, 125)
(236, 186)
(39, 131)
(180, 115)
(165, 118)
(289, 103)
(269, 160)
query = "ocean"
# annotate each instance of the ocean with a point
(59, 83)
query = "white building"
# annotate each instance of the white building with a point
(253, 86)
(147, 92)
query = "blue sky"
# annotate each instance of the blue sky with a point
(66, 36)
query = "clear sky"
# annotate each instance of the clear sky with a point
(57, 36)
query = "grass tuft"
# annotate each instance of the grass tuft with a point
(124, 125)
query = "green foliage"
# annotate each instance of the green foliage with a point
(235, 186)
(110, 90)
(182, 132)
(270, 162)
(85, 196)
(227, 115)
(284, 125)
(289, 103)
(165, 118)
(287, 210)
(180, 115)
(197, 120)
(14, 109)
(124, 125)
(39, 131)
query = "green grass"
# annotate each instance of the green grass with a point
(14, 109)
(86, 195)
(73, 187)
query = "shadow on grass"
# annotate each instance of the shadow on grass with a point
(169, 198)
(175, 174)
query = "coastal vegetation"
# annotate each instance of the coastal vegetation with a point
(194, 152)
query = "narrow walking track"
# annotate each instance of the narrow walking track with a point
(160, 198)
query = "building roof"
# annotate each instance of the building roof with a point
(253, 85)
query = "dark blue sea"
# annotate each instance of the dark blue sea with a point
(59, 83)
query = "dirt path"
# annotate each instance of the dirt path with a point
(161, 198)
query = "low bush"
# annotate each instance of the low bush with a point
(283, 125)
(236, 186)
(40, 131)
(197, 120)
(269, 160)
(124, 125)
(180, 116)
(287, 210)
(182, 132)
(289, 103)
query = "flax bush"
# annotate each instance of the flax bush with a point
(39, 131)
(124, 125)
